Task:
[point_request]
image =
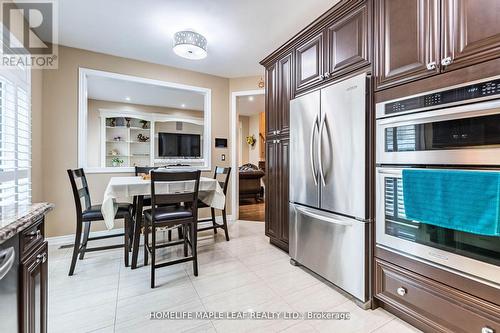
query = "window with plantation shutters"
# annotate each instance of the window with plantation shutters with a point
(15, 137)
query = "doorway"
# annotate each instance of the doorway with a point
(250, 159)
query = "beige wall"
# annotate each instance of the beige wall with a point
(253, 129)
(242, 138)
(245, 83)
(60, 124)
(36, 135)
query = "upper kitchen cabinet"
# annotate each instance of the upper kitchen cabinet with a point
(272, 122)
(348, 45)
(284, 93)
(278, 95)
(471, 32)
(309, 62)
(406, 40)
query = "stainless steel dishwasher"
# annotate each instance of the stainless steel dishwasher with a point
(9, 285)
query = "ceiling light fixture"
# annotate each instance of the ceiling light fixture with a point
(250, 98)
(183, 105)
(190, 45)
(127, 98)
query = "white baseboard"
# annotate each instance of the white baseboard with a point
(69, 239)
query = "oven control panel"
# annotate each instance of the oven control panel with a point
(464, 93)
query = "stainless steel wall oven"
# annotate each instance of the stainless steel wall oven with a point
(454, 128)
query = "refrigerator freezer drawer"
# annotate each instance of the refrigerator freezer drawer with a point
(332, 246)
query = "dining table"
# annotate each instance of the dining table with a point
(137, 187)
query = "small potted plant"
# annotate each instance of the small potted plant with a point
(251, 140)
(116, 162)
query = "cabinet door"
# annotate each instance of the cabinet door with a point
(284, 93)
(309, 63)
(471, 32)
(406, 40)
(283, 150)
(272, 227)
(35, 277)
(348, 42)
(272, 118)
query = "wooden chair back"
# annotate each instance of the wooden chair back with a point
(80, 191)
(188, 198)
(223, 174)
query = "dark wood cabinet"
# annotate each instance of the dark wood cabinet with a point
(34, 291)
(406, 42)
(415, 39)
(348, 41)
(283, 150)
(272, 118)
(272, 191)
(435, 306)
(470, 32)
(277, 191)
(284, 94)
(309, 58)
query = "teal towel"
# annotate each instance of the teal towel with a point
(461, 200)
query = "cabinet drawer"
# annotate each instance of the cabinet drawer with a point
(31, 238)
(439, 306)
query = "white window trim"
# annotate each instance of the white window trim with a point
(12, 74)
(83, 74)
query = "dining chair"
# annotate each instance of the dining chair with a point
(139, 171)
(146, 201)
(218, 173)
(88, 213)
(170, 211)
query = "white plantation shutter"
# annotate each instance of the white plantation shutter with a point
(15, 137)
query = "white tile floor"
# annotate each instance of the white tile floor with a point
(242, 274)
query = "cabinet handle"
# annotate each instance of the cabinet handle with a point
(401, 291)
(278, 132)
(487, 330)
(327, 75)
(446, 61)
(321, 77)
(41, 257)
(431, 66)
(277, 141)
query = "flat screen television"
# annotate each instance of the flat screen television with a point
(179, 145)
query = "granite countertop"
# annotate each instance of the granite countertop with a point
(16, 218)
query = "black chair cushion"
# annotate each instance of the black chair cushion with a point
(167, 213)
(94, 212)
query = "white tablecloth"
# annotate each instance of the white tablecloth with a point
(126, 188)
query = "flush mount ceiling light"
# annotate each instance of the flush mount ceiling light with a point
(190, 45)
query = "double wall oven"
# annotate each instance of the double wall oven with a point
(455, 128)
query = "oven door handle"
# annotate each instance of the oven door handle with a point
(6, 261)
(393, 172)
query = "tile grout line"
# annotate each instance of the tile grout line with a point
(117, 293)
(387, 323)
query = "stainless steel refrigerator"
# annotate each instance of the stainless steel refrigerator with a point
(329, 225)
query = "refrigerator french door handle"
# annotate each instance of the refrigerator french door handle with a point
(322, 217)
(311, 147)
(320, 150)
